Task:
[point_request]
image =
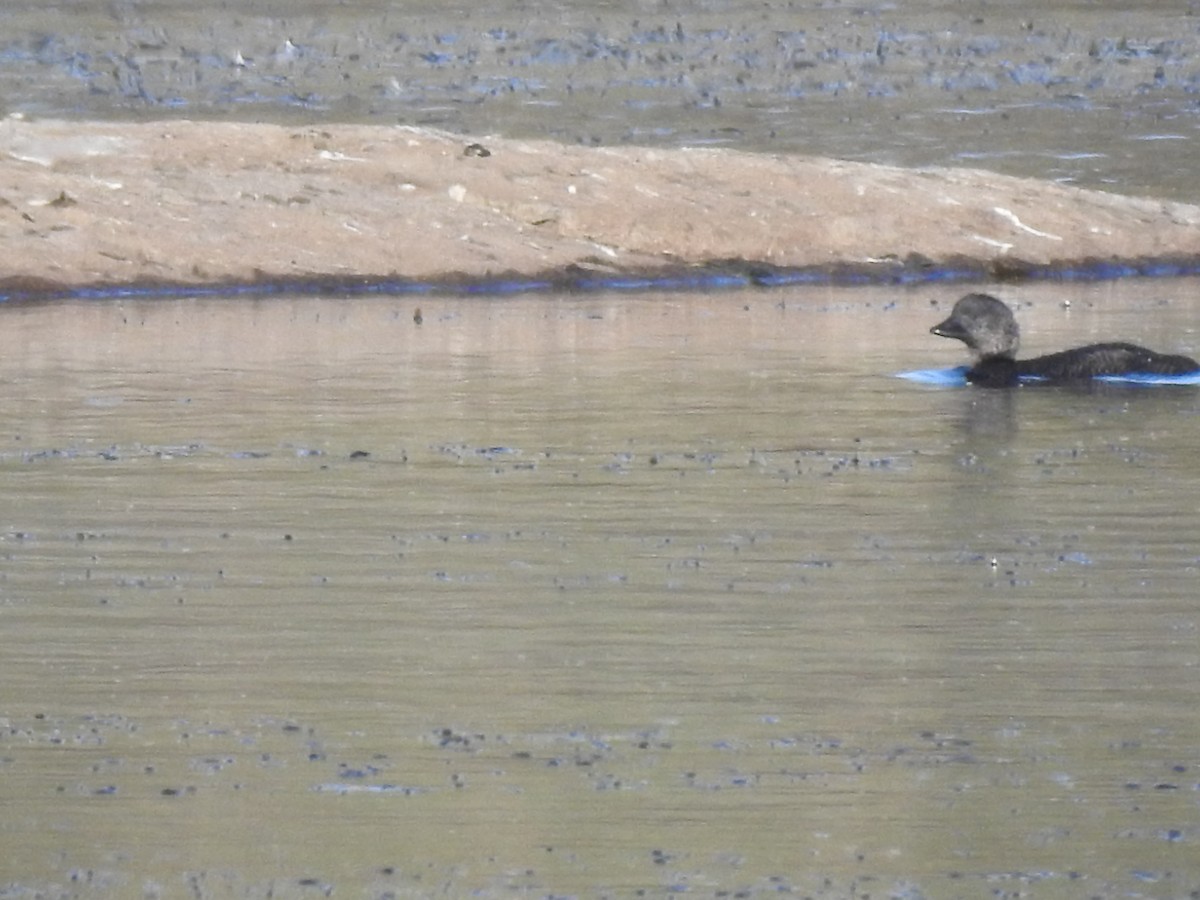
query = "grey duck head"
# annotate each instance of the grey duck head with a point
(984, 324)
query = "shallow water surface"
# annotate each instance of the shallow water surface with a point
(593, 596)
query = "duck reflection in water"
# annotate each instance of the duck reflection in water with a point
(986, 325)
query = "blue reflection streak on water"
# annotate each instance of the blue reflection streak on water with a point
(733, 275)
(957, 377)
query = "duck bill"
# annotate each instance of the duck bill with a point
(949, 329)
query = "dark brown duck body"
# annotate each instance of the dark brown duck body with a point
(986, 325)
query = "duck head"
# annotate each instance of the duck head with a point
(984, 324)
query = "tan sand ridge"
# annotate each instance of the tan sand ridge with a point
(85, 203)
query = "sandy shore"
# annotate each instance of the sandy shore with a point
(178, 201)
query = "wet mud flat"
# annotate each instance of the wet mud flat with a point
(1097, 94)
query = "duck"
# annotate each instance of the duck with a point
(989, 329)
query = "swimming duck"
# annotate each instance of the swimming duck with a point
(986, 325)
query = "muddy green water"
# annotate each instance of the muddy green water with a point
(597, 597)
